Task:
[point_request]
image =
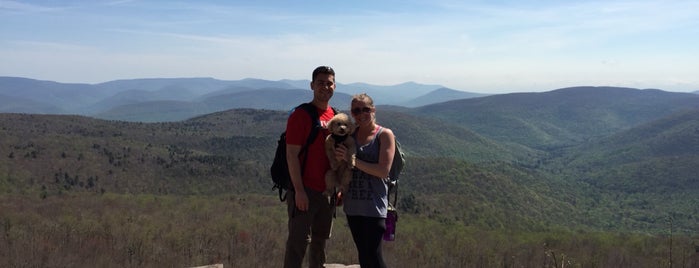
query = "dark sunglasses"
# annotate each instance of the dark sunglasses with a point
(357, 111)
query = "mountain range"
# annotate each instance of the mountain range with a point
(560, 117)
(582, 157)
(173, 99)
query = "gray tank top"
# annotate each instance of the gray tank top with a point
(366, 195)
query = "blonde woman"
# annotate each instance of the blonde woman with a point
(365, 202)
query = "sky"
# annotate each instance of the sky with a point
(476, 46)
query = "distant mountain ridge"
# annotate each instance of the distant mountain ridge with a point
(560, 117)
(441, 95)
(174, 99)
(108, 100)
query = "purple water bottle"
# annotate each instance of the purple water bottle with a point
(391, 219)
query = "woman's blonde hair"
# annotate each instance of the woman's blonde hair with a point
(363, 97)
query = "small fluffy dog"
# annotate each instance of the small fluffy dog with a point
(340, 173)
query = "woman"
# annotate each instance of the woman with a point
(365, 202)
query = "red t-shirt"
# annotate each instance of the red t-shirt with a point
(298, 127)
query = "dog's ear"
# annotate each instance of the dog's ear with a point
(346, 119)
(331, 124)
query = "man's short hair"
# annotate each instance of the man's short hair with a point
(322, 70)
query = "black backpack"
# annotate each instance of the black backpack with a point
(394, 173)
(280, 169)
(397, 165)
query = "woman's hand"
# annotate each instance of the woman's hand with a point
(341, 152)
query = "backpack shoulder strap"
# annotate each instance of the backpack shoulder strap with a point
(315, 123)
(312, 111)
(315, 128)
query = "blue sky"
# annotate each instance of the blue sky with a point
(477, 46)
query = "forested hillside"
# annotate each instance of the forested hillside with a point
(136, 193)
(648, 173)
(449, 166)
(216, 155)
(227, 152)
(560, 117)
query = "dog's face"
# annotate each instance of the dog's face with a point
(340, 125)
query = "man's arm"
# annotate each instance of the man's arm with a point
(292, 159)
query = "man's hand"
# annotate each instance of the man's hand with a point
(338, 200)
(301, 200)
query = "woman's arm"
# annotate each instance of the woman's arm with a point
(386, 152)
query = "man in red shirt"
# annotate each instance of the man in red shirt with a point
(310, 212)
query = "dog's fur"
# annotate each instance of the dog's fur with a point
(340, 173)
